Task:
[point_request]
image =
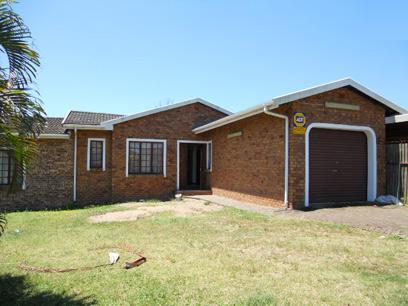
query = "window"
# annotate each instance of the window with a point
(5, 168)
(96, 153)
(146, 156)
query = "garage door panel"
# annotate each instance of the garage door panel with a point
(338, 166)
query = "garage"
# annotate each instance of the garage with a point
(338, 161)
(317, 147)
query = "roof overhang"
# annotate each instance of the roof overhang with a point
(280, 100)
(232, 118)
(112, 122)
(396, 119)
(65, 117)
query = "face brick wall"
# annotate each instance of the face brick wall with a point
(93, 186)
(371, 114)
(250, 167)
(172, 125)
(49, 180)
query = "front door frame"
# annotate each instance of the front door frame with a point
(371, 155)
(208, 144)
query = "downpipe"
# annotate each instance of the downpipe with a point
(268, 112)
(75, 164)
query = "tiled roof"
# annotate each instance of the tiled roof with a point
(166, 108)
(53, 126)
(88, 118)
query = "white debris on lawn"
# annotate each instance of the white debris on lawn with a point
(113, 257)
(388, 199)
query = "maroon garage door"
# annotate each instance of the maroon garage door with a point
(337, 166)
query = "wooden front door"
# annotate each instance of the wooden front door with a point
(194, 165)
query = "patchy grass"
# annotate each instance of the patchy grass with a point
(226, 257)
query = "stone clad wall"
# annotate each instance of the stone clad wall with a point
(49, 180)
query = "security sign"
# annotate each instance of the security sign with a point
(299, 122)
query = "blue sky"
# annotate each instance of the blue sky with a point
(127, 56)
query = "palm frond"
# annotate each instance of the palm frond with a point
(23, 151)
(14, 40)
(21, 113)
(21, 110)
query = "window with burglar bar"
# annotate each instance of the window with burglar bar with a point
(5, 168)
(96, 154)
(145, 157)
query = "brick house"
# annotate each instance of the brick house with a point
(324, 144)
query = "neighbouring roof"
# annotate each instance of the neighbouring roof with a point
(53, 126)
(162, 109)
(87, 118)
(278, 101)
(396, 119)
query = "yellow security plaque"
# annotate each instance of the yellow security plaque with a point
(299, 122)
(299, 119)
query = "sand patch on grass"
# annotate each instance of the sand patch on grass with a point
(185, 208)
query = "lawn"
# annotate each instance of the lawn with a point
(225, 257)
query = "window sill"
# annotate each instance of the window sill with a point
(7, 188)
(145, 174)
(96, 170)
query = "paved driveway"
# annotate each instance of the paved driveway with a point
(389, 219)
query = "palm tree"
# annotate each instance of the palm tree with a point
(21, 114)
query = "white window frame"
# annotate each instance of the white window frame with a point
(163, 141)
(88, 162)
(209, 154)
(24, 176)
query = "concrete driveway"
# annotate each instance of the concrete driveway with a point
(388, 219)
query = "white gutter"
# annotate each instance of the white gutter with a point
(396, 119)
(75, 164)
(258, 109)
(268, 112)
(87, 127)
(53, 136)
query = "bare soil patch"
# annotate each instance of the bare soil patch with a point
(185, 208)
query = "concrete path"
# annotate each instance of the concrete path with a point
(238, 204)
